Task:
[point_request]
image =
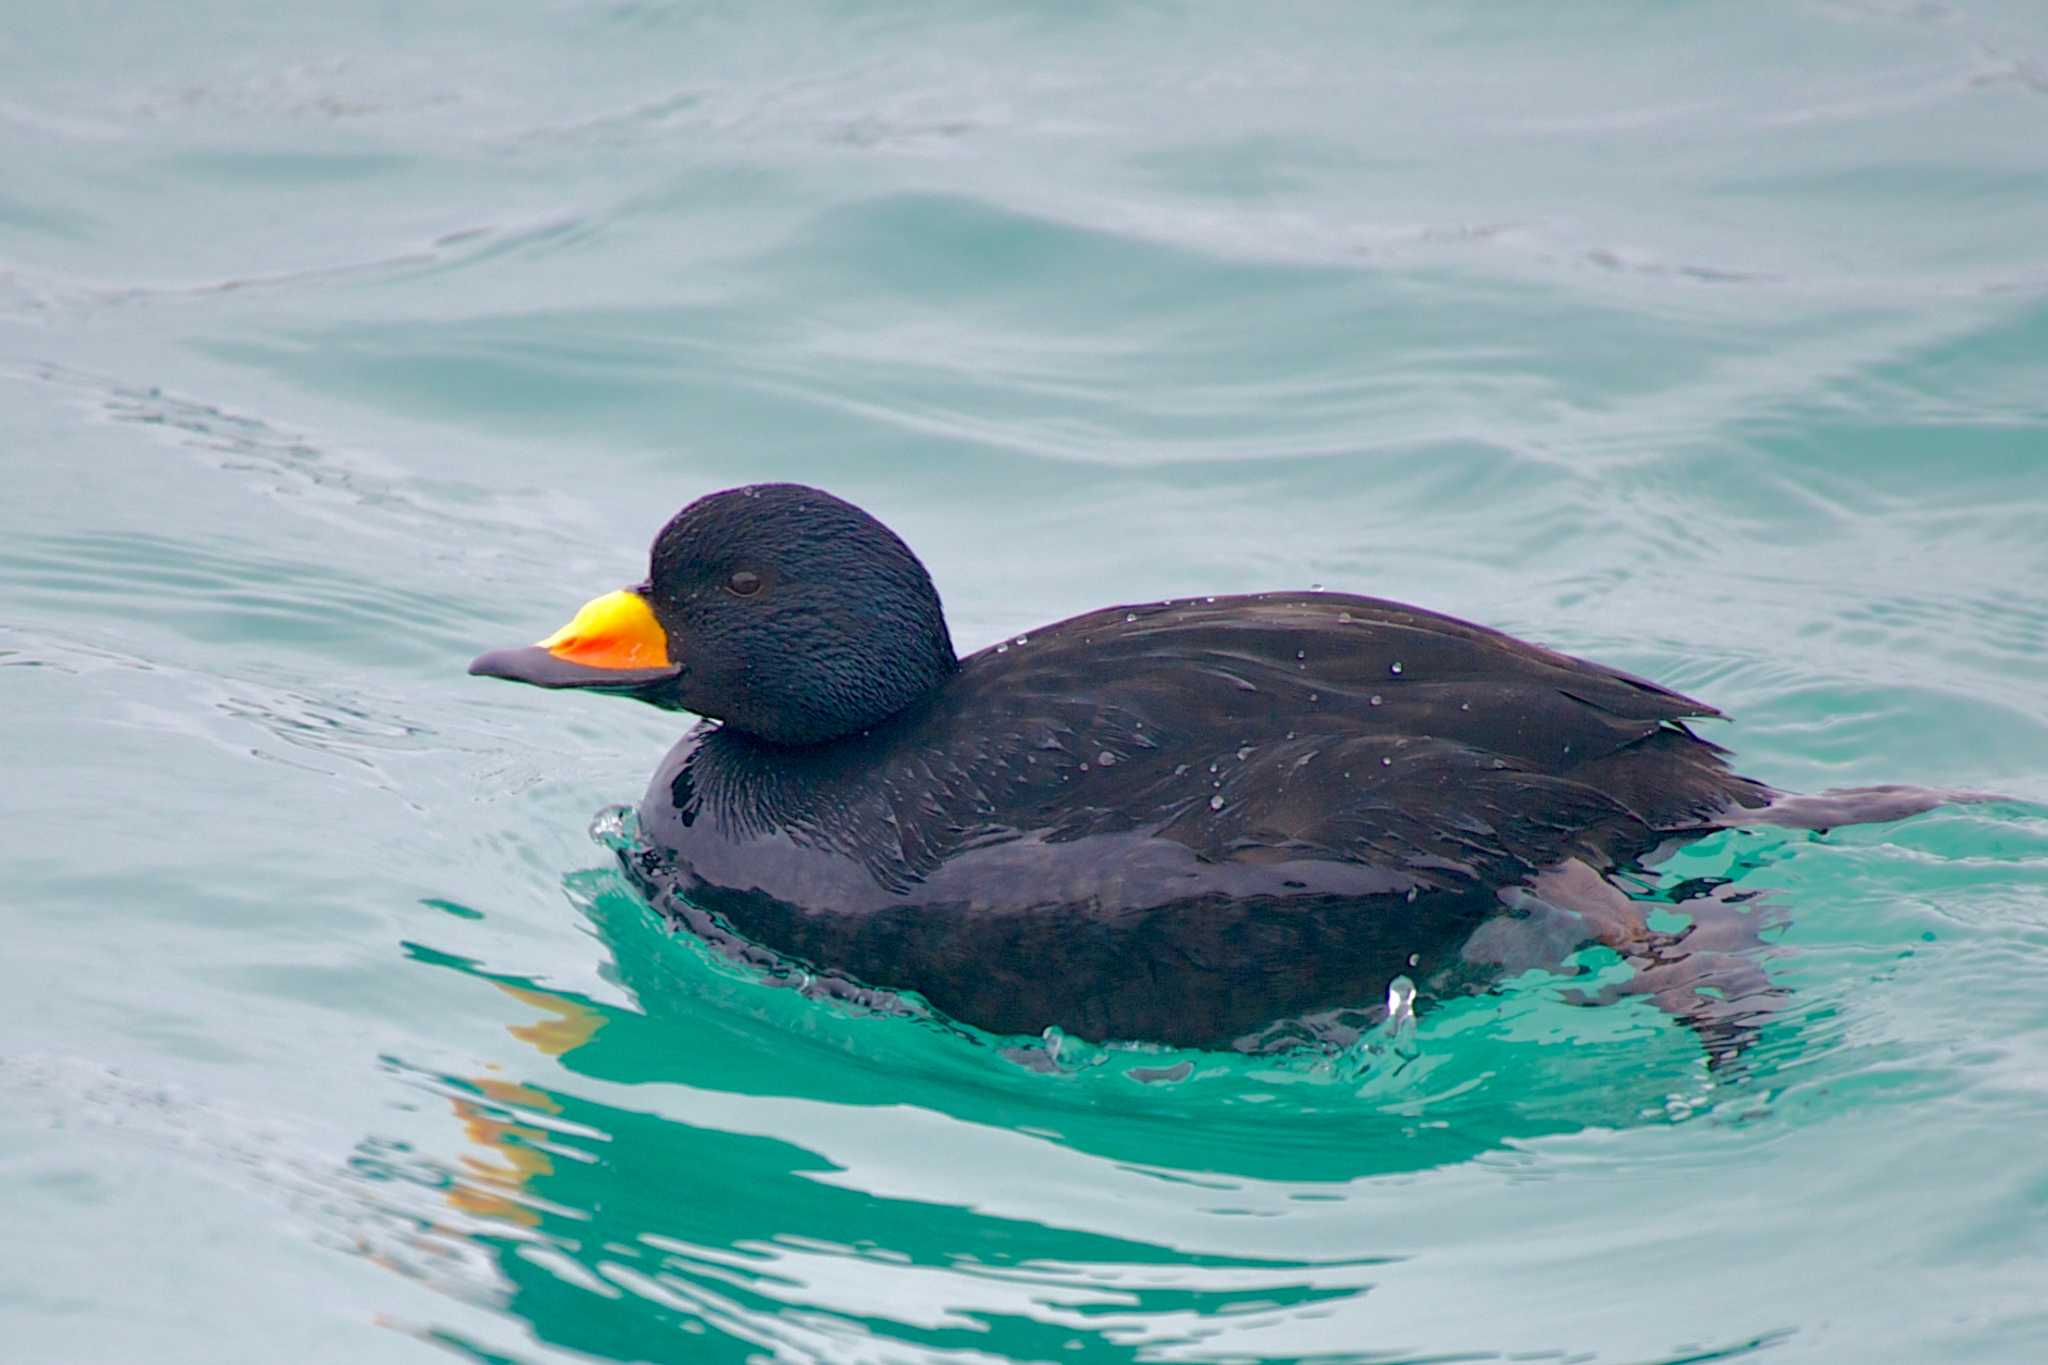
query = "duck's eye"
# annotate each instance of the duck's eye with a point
(743, 583)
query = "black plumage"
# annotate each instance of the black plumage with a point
(1185, 822)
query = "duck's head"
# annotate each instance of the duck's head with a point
(778, 609)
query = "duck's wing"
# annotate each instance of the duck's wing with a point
(1352, 724)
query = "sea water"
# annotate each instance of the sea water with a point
(339, 343)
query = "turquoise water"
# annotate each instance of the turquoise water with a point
(338, 343)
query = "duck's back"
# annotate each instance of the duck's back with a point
(1183, 821)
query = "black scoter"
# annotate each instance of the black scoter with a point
(1192, 822)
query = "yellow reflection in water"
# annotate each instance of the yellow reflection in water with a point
(512, 1156)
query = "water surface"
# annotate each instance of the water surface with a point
(339, 343)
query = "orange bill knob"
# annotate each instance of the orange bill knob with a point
(617, 630)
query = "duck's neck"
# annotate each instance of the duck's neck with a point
(847, 701)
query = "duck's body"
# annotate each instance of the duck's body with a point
(1181, 822)
(1184, 821)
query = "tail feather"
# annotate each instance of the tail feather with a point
(1849, 806)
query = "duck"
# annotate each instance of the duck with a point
(1212, 822)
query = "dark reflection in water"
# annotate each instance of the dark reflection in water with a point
(732, 1168)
